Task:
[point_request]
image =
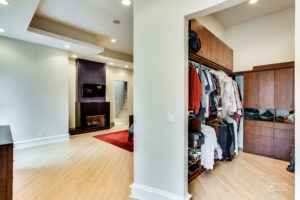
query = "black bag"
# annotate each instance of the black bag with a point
(196, 136)
(194, 43)
(291, 167)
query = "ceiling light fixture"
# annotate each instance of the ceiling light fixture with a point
(110, 63)
(74, 56)
(113, 40)
(3, 2)
(126, 2)
(2, 30)
(67, 46)
(252, 1)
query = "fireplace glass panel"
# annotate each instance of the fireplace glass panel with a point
(95, 121)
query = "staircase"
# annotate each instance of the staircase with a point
(122, 117)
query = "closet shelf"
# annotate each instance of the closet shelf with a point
(209, 63)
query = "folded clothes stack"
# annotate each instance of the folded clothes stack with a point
(251, 114)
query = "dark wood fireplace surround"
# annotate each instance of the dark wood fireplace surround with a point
(91, 111)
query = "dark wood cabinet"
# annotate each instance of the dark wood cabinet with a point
(266, 89)
(284, 138)
(251, 88)
(284, 88)
(269, 89)
(6, 163)
(213, 42)
(204, 36)
(228, 57)
(212, 48)
(220, 53)
(258, 137)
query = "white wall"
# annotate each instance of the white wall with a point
(213, 25)
(34, 89)
(119, 96)
(112, 74)
(266, 40)
(297, 99)
(160, 90)
(118, 74)
(73, 78)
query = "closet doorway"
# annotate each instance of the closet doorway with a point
(121, 103)
(241, 121)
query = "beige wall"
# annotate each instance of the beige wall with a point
(213, 25)
(112, 74)
(266, 40)
(34, 90)
(118, 74)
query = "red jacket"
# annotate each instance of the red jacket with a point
(195, 90)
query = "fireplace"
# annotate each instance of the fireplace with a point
(91, 117)
(95, 121)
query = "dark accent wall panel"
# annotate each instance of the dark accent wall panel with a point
(93, 73)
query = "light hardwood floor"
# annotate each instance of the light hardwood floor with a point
(82, 169)
(247, 177)
(88, 169)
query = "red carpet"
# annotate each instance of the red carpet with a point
(119, 139)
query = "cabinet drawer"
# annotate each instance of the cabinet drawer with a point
(266, 124)
(282, 149)
(284, 126)
(284, 134)
(268, 141)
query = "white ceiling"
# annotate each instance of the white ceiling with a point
(245, 12)
(95, 16)
(15, 20)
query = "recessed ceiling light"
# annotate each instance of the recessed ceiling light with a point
(2, 30)
(126, 66)
(252, 1)
(126, 2)
(110, 63)
(74, 56)
(67, 46)
(3, 2)
(113, 40)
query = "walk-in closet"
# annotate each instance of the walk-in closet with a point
(241, 102)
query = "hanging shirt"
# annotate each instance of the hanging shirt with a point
(235, 130)
(209, 147)
(195, 90)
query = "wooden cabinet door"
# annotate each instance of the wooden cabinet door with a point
(220, 52)
(284, 139)
(204, 36)
(228, 57)
(284, 88)
(213, 41)
(251, 90)
(3, 172)
(266, 89)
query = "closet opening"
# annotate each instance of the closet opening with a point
(241, 109)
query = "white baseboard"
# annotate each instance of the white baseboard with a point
(143, 192)
(40, 141)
